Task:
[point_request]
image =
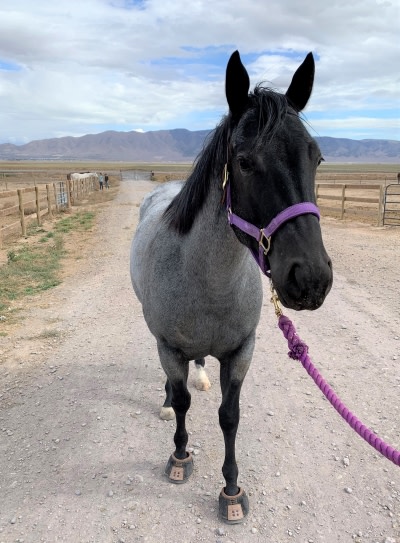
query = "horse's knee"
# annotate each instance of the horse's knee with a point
(181, 399)
(228, 418)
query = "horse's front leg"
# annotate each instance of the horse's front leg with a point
(233, 502)
(180, 464)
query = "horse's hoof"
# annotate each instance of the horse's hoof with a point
(167, 413)
(233, 509)
(202, 382)
(178, 471)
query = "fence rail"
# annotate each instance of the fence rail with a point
(20, 206)
(347, 195)
(338, 178)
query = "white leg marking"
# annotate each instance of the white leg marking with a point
(167, 413)
(202, 382)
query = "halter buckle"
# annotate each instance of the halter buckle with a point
(261, 242)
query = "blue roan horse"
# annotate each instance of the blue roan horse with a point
(192, 270)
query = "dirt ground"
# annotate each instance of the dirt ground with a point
(82, 449)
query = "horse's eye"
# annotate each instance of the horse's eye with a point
(244, 164)
(321, 159)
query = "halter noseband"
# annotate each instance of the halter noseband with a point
(264, 235)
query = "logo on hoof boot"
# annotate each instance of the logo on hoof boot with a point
(176, 474)
(235, 512)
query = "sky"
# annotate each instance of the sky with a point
(75, 67)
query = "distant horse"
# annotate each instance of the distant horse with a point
(81, 176)
(191, 266)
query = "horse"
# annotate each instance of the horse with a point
(199, 245)
(82, 175)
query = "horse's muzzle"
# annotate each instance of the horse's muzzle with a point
(304, 285)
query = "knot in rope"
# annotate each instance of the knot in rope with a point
(298, 349)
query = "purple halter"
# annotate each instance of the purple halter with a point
(264, 235)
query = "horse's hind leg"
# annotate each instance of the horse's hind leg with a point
(233, 502)
(167, 413)
(202, 382)
(180, 464)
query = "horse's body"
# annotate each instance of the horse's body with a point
(188, 289)
(198, 283)
(81, 176)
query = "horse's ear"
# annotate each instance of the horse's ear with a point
(300, 88)
(237, 84)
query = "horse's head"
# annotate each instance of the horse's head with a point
(272, 162)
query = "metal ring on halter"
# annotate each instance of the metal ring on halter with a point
(260, 242)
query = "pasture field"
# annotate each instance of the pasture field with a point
(30, 172)
(352, 168)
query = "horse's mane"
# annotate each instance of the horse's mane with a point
(265, 104)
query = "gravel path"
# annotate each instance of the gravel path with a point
(82, 449)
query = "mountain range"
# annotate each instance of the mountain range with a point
(178, 145)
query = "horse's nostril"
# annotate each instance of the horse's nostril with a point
(294, 280)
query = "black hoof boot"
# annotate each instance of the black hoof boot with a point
(178, 471)
(233, 509)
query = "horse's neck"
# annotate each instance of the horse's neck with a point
(212, 242)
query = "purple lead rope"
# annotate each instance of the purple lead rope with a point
(299, 351)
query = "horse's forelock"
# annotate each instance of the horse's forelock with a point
(271, 108)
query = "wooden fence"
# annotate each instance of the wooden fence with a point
(20, 206)
(345, 199)
(357, 178)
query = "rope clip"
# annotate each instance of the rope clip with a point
(275, 301)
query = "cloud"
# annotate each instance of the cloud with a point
(73, 67)
(356, 127)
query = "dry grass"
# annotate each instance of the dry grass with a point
(9, 205)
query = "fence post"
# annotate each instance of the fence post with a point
(37, 205)
(49, 201)
(316, 192)
(55, 197)
(381, 206)
(343, 201)
(69, 205)
(21, 212)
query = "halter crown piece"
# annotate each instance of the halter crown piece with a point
(264, 235)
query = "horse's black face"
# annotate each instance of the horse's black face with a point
(272, 164)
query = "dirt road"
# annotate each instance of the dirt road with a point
(82, 449)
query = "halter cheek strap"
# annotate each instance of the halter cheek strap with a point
(263, 235)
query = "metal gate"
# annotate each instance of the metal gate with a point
(391, 210)
(62, 194)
